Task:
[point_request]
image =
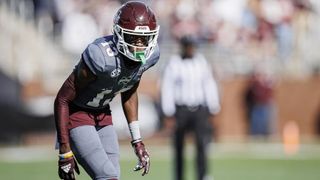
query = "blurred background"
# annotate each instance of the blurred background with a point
(261, 52)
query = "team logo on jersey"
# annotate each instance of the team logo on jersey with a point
(124, 80)
(115, 73)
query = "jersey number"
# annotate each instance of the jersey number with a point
(110, 48)
(95, 102)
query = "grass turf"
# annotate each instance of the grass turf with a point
(221, 168)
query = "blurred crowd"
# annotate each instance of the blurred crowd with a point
(258, 29)
(272, 37)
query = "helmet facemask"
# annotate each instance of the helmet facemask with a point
(126, 40)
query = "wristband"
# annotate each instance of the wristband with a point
(134, 130)
(66, 155)
(133, 142)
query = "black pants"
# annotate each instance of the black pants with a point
(196, 120)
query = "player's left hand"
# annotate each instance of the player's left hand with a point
(143, 157)
(67, 167)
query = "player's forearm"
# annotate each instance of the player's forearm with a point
(61, 109)
(130, 107)
(129, 100)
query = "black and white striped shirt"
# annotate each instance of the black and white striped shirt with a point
(188, 82)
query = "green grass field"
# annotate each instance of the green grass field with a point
(247, 164)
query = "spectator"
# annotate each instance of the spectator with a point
(190, 96)
(259, 101)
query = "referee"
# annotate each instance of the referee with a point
(189, 95)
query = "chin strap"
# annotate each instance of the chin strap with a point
(143, 60)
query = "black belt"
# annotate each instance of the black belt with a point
(189, 108)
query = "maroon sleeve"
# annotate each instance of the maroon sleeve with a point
(61, 108)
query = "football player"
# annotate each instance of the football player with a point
(109, 66)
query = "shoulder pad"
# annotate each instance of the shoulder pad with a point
(94, 59)
(100, 55)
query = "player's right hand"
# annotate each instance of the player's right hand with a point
(143, 157)
(66, 169)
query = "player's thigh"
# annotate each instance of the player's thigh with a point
(109, 140)
(90, 152)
